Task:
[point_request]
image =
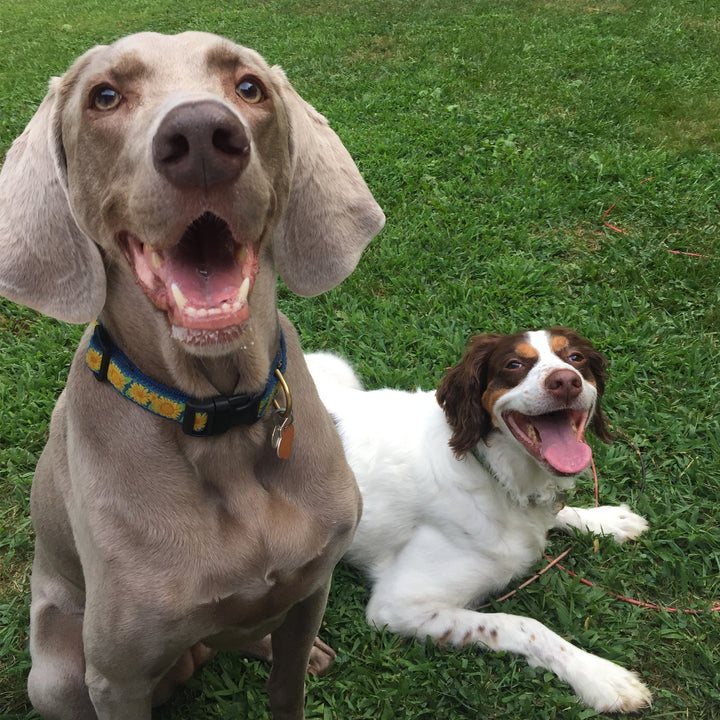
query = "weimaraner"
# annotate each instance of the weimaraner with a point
(158, 187)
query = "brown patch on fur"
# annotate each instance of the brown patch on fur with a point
(526, 350)
(460, 395)
(490, 398)
(558, 343)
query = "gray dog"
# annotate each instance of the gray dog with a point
(158, 187)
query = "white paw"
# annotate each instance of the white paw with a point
(607, 687)
(619, 521)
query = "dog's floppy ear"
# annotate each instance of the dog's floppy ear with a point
(331, 215)
(46, 262)
(460, 395)
(598, 367)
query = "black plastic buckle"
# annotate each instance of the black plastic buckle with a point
(223, 412)
(103, 340)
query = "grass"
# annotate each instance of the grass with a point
(495, 135)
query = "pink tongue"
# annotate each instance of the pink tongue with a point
(207, 283)
(560, 448)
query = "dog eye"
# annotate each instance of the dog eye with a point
(250, 90)
(576, 357)
(105, 98)
(513, 365)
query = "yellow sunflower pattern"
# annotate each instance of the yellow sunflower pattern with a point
(159, 404)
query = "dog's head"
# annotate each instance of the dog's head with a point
(186, 165)
(543, 388)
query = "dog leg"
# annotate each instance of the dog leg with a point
(183, 669)
(619, 521)
(56, 684)
(599, 683)
(122, 683)
(292, 644)
(321, 654)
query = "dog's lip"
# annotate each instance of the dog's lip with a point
(203, 281)
(555, 439)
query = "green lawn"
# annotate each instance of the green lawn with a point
(495, 135)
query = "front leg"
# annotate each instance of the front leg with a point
(128, 651)
(619, 521)
(600, 684)
(116, 701)
(292, 644)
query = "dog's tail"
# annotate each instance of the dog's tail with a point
(330, 371)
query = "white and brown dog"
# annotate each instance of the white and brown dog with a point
(460, 487)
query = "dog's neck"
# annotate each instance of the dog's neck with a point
(520, 476)
(145, 336)
(242, 369)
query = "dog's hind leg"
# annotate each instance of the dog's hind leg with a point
(599, 683)
(56, 684)
(321, 654)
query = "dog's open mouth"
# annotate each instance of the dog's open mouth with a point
(556, 439)
(203, 282)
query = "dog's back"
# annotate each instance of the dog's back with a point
(385, 434)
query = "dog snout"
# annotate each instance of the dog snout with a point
(565, 385)
(201, 144)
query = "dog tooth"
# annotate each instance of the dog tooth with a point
(241, 254)
(180, 299)
(156, 260)
(244, 290)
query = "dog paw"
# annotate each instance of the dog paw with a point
(321, 657)
(611, 688)
(619, 521)
(629, 525)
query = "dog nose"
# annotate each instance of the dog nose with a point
(565, 385)
(201, 144)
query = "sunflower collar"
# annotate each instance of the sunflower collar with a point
(199, 418)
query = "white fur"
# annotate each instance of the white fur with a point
(439, 534)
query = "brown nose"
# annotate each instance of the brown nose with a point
(565, 385)
(201, 144)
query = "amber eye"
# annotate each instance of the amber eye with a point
(106, 98)
(250, 90)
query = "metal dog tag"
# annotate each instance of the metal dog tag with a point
(282, 435)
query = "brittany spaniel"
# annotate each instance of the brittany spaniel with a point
(461, 486)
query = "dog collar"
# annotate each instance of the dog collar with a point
(199, 418)
(561, 496)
